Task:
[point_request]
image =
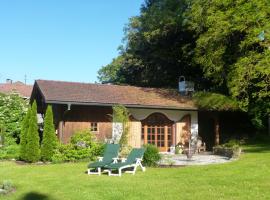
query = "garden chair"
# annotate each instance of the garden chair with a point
(200, 145)
(133, 161)
(109, 156)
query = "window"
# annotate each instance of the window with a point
(94, 127)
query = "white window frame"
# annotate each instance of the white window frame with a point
(97, 131)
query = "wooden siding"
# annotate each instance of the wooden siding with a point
(80, 117)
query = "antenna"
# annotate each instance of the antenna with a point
(25, 79)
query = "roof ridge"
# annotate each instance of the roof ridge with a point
(101, 84)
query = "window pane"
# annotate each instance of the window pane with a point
(94, 126)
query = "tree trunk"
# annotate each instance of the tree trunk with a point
(269, 125)
(217, 131)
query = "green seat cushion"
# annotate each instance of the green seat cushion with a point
(116, 165)
(98, 164)
(131, 159)
(111, 151)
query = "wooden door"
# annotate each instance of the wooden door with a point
(157, 130)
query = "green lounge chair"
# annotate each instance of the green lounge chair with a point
(133, 160)
(110, 156)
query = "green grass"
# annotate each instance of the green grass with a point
(247, 178)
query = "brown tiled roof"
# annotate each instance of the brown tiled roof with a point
(17, 87)
(58, 91)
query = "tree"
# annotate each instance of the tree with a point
(221, 45)
(233, 48)
(110, 72)
(23, 135)
(32, 147)
(49, 141)
(158, 48)
(12, 111)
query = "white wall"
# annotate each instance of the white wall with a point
(174, 115)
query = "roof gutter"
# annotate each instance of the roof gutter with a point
(69, 103)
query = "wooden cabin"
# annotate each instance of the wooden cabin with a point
(161, 117)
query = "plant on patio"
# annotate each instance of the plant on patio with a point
(231, 149)
(32, 146)
(178, 149)
(49, 141)
(151, 155)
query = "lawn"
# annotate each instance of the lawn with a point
(247, 178)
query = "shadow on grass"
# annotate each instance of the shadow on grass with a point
(257, 149)
(36, 196)
(258, 145)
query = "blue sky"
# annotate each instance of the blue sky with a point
(60, 39)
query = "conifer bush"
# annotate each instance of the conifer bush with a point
(32, 146)
(49, 141)
(23, 135)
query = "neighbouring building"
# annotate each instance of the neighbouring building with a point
(16, 87)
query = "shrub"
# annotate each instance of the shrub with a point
(9, 152)
(12, 111)
(232, 143)
(9, 148)
(151, 155)
(6, 187)
(49, 141)
(32, 147)
(82, 139)
(82, 146)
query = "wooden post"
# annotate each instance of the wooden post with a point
(173, 134)
(145, 134)
(166, 138)
(155, 135)
(217, 131)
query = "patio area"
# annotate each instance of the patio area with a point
(205, 158)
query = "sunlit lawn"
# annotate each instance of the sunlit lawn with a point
(247, 178)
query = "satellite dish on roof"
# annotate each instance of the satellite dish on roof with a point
(185, 87)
